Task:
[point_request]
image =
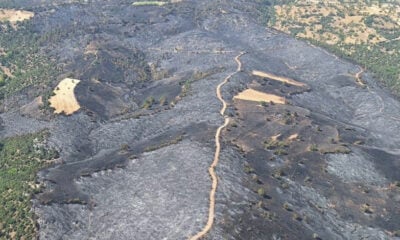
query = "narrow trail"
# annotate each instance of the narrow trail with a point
(211, 169)
(357, 76)
(389, 40)
(361, 82)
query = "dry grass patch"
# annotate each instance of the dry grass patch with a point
(14, 16)
(278, 78)
(257, 96)
(91, 48)
(64, 100)
(6, 71)
(343, 21)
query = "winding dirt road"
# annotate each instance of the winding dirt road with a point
(357, 76)
(211, 169)
(381, 101)
(361, 82)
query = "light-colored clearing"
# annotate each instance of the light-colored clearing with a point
(278, 78)
(343, 22)
(91, 48)
(293, 137)
(256, 96)
(6, 71)
(64, 100)
(155, 3)
(275, 137)
(149, 3)
(14, 16)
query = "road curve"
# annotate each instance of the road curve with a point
(357, 76)
(360, 81)
(211, 169)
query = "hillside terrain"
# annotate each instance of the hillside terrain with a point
(195, 120)
(365, 31)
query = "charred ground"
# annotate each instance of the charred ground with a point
(134, 158)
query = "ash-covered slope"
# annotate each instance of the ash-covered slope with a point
(135, 157)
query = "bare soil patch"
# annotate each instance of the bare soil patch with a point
(14, 16)
(64, 100)
(253, 95)
(278, 78)
(6, 71)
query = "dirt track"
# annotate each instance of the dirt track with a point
(211, 169)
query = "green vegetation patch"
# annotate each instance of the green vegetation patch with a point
(21, 158)
(367, 32)
(20, 53)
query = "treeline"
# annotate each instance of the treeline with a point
(383, 60)
(21, 158)
(22, 55)
(380, 58)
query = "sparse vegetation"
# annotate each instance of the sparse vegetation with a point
(313, 148)
(364, 31)
(278, 174)
(270, 216)
(124, 147)
(163, 101)
(248, 169)
(287, 207)
(333, 149)
(359, 142)
(284, 185)
(307, 179)
(261, 192)
(264, 103)
(274, 144)
(366, 208)
(279, 147)
(20, 159)
(27, 65)
(186, 88)
(280, 152)
(164, 144)
(316, 236)
(148, 103)
(256, 179)
(297, 217)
